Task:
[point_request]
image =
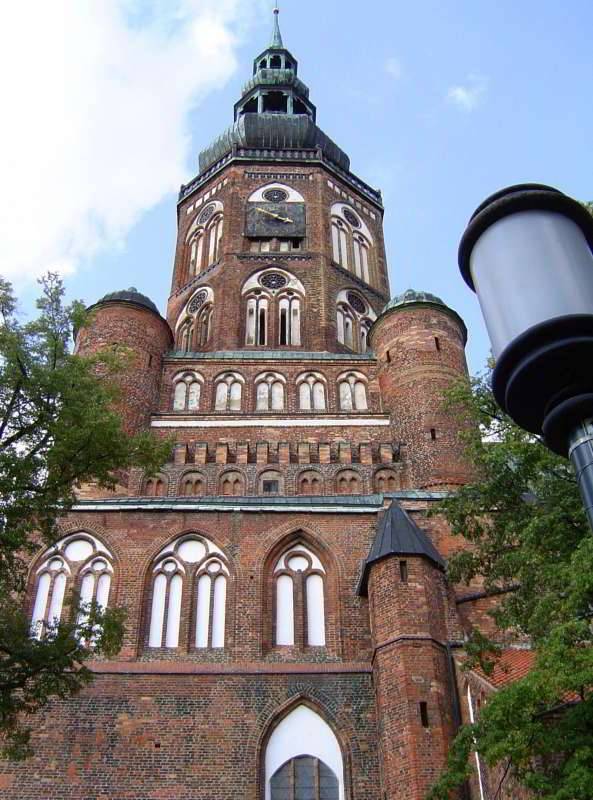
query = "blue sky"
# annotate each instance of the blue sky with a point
(438, 104)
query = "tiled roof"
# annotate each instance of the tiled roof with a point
(511, 666)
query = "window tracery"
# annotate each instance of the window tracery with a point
(354, 320)
(274, 302)
(229, 391)
(187, 388)
(80, 561)
(269, 389)
(190, 564)
(203, 241)
(352, 242)
(299, 579)
(194, 326)
(352, 392)
(312, 391)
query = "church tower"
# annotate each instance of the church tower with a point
(288, 615)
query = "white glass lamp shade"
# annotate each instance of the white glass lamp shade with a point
(529, 268)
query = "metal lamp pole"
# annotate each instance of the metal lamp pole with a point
(527, 253)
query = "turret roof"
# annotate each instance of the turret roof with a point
(131, 295)
(398, 535)
(413, 296)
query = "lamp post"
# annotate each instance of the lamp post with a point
(527, 253)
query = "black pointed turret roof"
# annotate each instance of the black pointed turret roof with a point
(398, 535)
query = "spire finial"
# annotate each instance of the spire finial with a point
(276, 35)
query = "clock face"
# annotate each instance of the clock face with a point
(275, 219)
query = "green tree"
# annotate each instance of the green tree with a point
(530, 543)
(57, 430)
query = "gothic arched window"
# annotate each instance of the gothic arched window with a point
(232, 483)
(156, 486)
(386, 480)
(310, 482)
(348, 482)
(77, 561)
(193, 484)
(203, 239)
(187, 390)
(303, 759)
(299, 618)
(229, 391)
(312, 391)
(354, 318)
(195, 325)
(274, 307)
(352, 391)
(352, 242)
(269, 390)
(191, 564)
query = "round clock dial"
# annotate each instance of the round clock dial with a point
(276, 195)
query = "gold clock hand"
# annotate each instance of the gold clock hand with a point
(272, 214)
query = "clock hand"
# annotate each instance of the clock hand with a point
(271, 214)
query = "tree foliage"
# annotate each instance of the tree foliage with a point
(58, 429)
(529, 541)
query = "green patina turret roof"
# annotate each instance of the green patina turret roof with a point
(131, 295)
(398, 535)
(274, 111)
(411, 296)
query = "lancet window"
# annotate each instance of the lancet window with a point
(190, 566)
(303, 759)
(229, 391)
(193, 484)
(299, 578)
(312, 391)
(310, 482)
(348, 482)
(354, 318)
(232, 483)
(156, 486)
(80, 562)
(352, 391)
(273, 309)
(194, 327)
(386, 480)
(270, 391)
(203, 241)
(187, 389)
(352, 242)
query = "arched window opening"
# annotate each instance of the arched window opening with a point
(232, 484)
(312, 392)
(386, 480)
(156, 486)
(276, 62)
(354, 318)
(186, 392)
(310, 482)
(250, 106)
(274, 308)
(348, 482)
(352, 242)
(185, 336)
(82, 561)
(270, 483)
(229, 390)
(290, 320)
(193, 484)
(352, 391)
(303, 759)
(203, 325)
(190, 564)
(275, 103)
(300, 599)
(214, 240)
(203, 239)
(195, 329)
(196, 253)
(270, 392)
(263, 64)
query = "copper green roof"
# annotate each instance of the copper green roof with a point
(411, 296)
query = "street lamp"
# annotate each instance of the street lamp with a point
(527, 253)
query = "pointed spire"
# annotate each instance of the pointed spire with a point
(277, 42)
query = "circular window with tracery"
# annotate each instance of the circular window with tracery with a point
(197, 302)
(276, 195)
(351, 217)
(357, 303)
(273, 280)
(206, 214)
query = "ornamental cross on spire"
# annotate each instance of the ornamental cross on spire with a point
(276, 35)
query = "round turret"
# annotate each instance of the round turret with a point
(131, 321)
(419, 342)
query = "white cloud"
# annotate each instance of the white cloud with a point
(470, 95)
(393, 68)
(95, 99)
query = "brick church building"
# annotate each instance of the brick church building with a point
(291, 634)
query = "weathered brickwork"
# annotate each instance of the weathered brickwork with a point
(255, 498)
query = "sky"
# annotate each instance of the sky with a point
(107, 103)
